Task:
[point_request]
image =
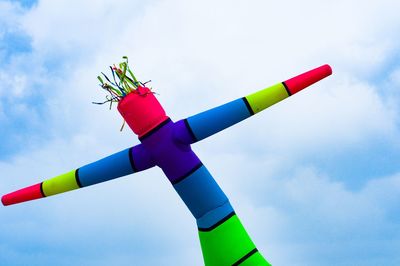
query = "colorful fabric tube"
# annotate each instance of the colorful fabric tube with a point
(22, 195)
(202, 194)
(214, 120)
(207, 123)
(229, 244)
(111, 167)
(175, 158)
(224, 240)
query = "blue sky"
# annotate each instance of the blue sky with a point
(323, 165)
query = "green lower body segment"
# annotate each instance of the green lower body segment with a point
(229, 244)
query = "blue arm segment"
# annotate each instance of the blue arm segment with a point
(209, 122)
(123, 163)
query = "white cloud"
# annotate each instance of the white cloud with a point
(10, 14)
(308, 214)
(10, 22)
(200, 54)
(395, 77)
(339, 116)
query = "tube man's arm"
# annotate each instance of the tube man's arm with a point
(122, 163)
(207, 123)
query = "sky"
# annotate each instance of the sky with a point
(315, 179)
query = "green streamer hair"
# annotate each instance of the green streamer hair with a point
(123, 82)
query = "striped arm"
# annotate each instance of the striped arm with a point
(123, 163)
(205, 124)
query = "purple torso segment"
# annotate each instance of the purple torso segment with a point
(168, 149)
(168, 146)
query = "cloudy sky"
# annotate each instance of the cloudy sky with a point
(315, 179)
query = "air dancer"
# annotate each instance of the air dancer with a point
(167, 144)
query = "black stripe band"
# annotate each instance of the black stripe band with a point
(41, 190)
(217, 224)
(246, 102)
(190, 130)
(245, 257)
(286, 88)
(166, 121)
(78, 181)
(194, 169)
(130, 151)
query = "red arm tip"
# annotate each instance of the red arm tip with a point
(4, 201)
(25, 194)
(296, 84)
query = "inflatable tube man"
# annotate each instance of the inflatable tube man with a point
(166, 144)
